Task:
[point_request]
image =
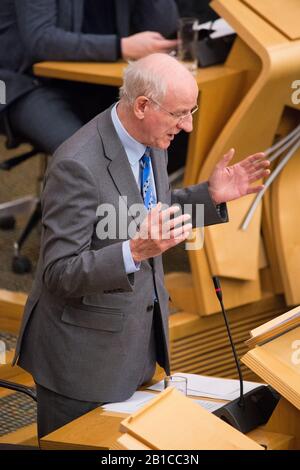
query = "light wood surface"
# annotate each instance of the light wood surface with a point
(241, 133)
(100, 430)
(11, 310)
(286, 199)
(285, 419)
(95, 430)
(273, 361)
(90, 72)
(173, 421)
(284, 16)
(200, 344)
(23, 436)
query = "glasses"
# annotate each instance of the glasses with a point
(178, 116)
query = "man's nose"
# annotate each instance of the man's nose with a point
(186, 124)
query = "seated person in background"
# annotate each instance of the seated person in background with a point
(197, 8)
(96, 320)
(47, 112)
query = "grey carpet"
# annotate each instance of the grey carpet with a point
(16, 411)
(18, 182)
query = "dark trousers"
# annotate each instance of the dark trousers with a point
(55, 410)
(56, 109)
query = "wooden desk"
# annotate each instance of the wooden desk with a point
(90, 72)
(106, 73)
(99, 430)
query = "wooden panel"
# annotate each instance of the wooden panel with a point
(272, 440)
(200, 345)
(285, 207)
(282, 14)
(173, 421)
(246, 262)
(24, 436)
(285, 419)
(95, 430)
(11, 310)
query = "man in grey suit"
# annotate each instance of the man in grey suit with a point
(96, 321)
(47, 112)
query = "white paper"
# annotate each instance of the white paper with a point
(209, 405)
(136, 401)
(212, 387)
(220, 27)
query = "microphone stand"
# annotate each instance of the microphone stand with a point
(253, 408)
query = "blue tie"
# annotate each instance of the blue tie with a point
(147, 187)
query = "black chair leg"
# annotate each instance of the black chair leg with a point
(21, 264)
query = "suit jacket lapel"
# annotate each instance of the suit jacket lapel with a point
(159, 171)
(118, 166)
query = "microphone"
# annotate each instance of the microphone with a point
(253, 408)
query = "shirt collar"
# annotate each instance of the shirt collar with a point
(134, 149)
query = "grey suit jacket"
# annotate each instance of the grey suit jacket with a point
(36, 30)
(86, 325)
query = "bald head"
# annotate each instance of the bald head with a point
(153, 76)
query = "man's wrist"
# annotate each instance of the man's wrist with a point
(130, 264)
(134, 254)
(211, 194)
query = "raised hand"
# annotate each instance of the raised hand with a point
(159, 231)
(231, 182)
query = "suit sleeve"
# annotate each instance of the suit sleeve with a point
(70, 267)
(43, 40)
(196, 200)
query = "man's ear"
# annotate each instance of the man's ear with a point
(139, 106)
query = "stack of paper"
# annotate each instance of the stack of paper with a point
(135, 402)
(210, 406)
(139, 399)
(203, 386)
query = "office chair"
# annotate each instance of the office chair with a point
(29, 391)
(28, 204)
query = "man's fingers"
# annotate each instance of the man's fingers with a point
(181, 231)
(253, 159)
(258, 175)
(181, 219)
(166, 214)
(255, 189)
(262, 164)
(226, 158)
(167, 43)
